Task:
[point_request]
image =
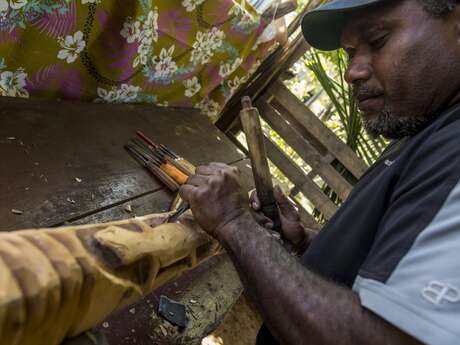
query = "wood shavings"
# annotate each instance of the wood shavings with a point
(11, 138)
(128, 208)
(163, 330)
(192, 301)
(70, 200)
(79, 180)
(15, 211)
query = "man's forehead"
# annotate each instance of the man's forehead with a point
(365, 21)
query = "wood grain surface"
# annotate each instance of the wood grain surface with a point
(57, 143)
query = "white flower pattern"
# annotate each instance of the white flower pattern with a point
(125, 94)
(164, 65)
(192, 87)
(228, 68)
(12, 84)
(205, 45)
(131, 30)
(163, 104)
(190, 5)
(143, 32)
(5, 5)
(234, 84)
(208, 107)
(72, 47)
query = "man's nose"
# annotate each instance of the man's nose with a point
(358, 70)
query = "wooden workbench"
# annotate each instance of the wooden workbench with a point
(64, 163)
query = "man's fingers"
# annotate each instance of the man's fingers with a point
(197, 180)
(286, 207)
(254, 201)
(263, 220)
(205, 170)
(186, 192)
(214, 168)
(219, 165)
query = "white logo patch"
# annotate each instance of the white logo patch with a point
(389, 163)
(436, 292)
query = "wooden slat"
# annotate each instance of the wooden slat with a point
(314, 125)
(296, 175)
(297, 126)
(305, 150)
(279, 61)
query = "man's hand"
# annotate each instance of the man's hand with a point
(292, 230)
(216, 196)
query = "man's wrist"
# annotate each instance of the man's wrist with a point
(240, 220)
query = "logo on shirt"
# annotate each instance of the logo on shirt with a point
(436, 292)
(389, 163)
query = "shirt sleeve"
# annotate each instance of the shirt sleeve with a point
(411, 277)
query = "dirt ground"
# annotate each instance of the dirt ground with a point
(240, 326)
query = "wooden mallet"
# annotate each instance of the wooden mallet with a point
(250, 121)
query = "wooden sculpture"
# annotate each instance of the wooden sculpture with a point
(56, 283)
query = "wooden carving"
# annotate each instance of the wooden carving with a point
(56, 283)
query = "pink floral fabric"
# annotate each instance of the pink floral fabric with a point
(180, 53)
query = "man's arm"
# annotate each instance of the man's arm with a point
(298, 306)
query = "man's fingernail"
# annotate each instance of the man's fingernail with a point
(269, 225)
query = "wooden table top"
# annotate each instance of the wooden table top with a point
(47, 145)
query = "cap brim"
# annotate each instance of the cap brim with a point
(322, 27)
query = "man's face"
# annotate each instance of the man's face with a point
(404, 66)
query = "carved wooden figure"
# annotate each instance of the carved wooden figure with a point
(56, 283)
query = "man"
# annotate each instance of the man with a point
(386, 268)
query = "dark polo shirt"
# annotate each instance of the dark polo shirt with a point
(396, 239)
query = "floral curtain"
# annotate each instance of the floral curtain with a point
(181, 53)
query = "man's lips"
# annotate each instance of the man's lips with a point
(369, 103)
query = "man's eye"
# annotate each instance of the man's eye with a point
(350, 53)
(378, 42)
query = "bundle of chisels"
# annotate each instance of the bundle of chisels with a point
(163, 163)
(171, 169)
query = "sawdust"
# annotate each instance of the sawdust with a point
(240, 326)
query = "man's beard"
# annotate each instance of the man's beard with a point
(395, 126)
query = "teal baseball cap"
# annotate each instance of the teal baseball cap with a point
(322, 26)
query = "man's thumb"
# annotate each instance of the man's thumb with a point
(286, 207)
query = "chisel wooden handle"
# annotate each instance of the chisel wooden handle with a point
(174, 173)
(250, 121)
(172, 185)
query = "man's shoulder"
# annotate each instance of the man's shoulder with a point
(437, 144)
